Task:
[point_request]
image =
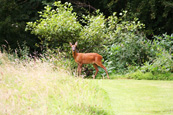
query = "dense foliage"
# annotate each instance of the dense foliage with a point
(14, 15)
(155, 14)
(120, 37)
(124, 47)
(56, 26)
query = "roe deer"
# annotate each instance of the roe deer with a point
(87, 58)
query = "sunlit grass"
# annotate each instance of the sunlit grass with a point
(140, 97)
(36, 88)
(40, 88)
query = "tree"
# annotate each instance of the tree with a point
(14, 15)
(155, 14)
(56, 26)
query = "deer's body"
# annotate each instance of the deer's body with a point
(87, 58)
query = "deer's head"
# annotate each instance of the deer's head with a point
(73, 46)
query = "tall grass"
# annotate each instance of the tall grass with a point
(34, 87)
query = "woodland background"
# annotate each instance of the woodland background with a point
(134, 35)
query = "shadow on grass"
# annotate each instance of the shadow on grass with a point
(164, 112)
(88, 109)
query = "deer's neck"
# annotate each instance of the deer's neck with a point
(75, 54)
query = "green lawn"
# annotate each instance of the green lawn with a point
(139, 97)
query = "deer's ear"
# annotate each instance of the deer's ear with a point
(70, 43)
(76, 44)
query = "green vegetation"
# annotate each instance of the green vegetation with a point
(39, 87)
(123, 44)
(37, 70)
(155, 14)
(56, 27)
(139, 97)
(35, 87)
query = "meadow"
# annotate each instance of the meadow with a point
(41, 88)
(35, 88)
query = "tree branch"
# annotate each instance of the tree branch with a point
(80, 4)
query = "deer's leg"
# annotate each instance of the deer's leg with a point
(80, 69)
(96, 68)
(101, 65)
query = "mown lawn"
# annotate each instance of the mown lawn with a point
(139, 97)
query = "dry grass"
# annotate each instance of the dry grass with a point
(35, 88)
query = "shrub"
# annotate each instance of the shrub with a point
(56, 26)
(120, 41)
(93, 33)
(165, 41)
(139, 75)
(162, 64)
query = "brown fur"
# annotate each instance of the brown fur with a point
(87, 58)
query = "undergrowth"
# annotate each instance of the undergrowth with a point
(139, 75)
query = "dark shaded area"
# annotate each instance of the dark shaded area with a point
(92, 109)
(157, 15)
(14, 15)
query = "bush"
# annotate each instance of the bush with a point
(56, 26)
(60, 24)
(120, 41)
(133, 52)
(136, 51)
(139, 75)
(165, 41)
(162, 64)
(93, 33)
(159, 67)
(127, 46)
